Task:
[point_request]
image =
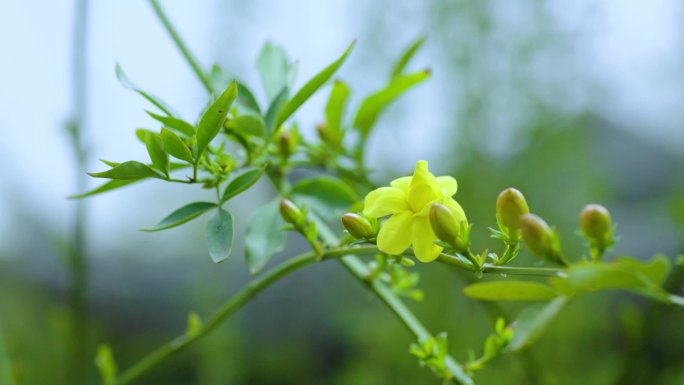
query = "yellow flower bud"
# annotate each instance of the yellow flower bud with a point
(290, 212)
(595, 223)
(540, 239)
(510, 206)
(444, 223)
(357, 226)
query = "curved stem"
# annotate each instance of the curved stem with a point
(229, 307)
(181, 46)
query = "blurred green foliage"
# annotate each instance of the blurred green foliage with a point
(321, 326)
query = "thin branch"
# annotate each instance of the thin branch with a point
(77, 262)
(234, 304)
(201, 75)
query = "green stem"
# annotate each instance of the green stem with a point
(534, 271)
(182, 46)
(229, 307)
(355, 266)
(77, 259)
(494, 269)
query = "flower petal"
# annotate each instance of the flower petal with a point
(384, 201)
(455, 208)
(422, 239)
(395, 234)
(421, 175)
(448, 185)
(402, 183)
(420, 195)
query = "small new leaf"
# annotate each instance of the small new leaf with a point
(219, 234)
(374, 105)
(108, 186)
(175, 123)
(311, 87)
(334, 110)
(155, 149)
(533, 321)
(127, 83)
(328, 197)
(174, 146)
(128, 170)
(182, 215)
(273, 66)
(406, 57)
(242, 183)
(212, 120)
(263, 236)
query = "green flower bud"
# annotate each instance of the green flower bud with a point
(540, 238)
(444, 223)
(286, 144)
(448, 228)
(357, 226)
(290, 212)
(510, 206)
(595, 223)
(328, 135)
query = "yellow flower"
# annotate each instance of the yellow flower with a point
(408, 201)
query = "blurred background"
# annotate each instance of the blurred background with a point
(569, 101)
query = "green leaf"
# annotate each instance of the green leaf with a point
(109, 163)
(108, 186)
(373, 105)
(656, 270)
(328, 197)
(246, 98)
(248, 124)
(128, 170)
(406, 57)
(127, 83)
(533, 321)
(118, 183)
(177, 124)
(219, 234)
(510, 291)
(219, 81)
(194, 325)
(264, 236)
(645, 278)
(158, 156)
(104, 360)
(334, 110)
(275, 107)
(273, 67)
(212, 120)
(174, 146)
(311, 87)
(242, 183)
(182, 215)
